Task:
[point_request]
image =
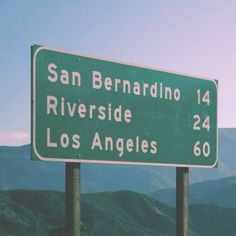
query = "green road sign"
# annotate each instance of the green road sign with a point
(86, 109)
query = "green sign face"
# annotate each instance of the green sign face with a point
(86, 109)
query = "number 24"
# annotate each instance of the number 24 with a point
(197, 123)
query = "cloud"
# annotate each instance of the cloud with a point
(14, 138)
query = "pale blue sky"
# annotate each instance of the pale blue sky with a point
(188, 36)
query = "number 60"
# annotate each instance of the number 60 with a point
(199, 149)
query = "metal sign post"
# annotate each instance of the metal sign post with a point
(182, 180)
(72, 182)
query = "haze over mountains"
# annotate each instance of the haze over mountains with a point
(18, 172)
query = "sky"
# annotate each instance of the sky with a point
(196, 37)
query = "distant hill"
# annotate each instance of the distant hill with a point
(224, 196)
(17, 171)
(221, 192)
(123, 213)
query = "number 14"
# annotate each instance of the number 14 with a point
(205, 98)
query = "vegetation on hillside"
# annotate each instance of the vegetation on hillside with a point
(124, 213)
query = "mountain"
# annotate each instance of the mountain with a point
(221, 192)
(127, 213)
(18, 171)
(30, 212)
(123, 213)
(41, 213)
(223, 195)
(27, 212)
(212, 220)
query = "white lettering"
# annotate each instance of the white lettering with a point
(71, 108)
(63, 107)
(153, 147)
(177, 94)
(168, 93)
(127, 116)
(153, 90)
(76, 75)
(144, 146)
(117, 114)
(96, 142)
(129, 145)
(125, 86)
(82, 110)
(91, 110)
(97, 80)
(117, 81)
(49, 142)
(108, 83)
(64, 140)
(51, 105)
(120, 146)
(52, 69)
(136, 88)
(64, 77)
(76, 141)
(145, 87)
(108, 143)
(101, 111)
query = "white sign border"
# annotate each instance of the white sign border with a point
(33, 112)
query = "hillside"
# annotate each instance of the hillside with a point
(41, 213)
(221, 192)
(30, 212)
(212, 220)
(123, 213)
(126, 213)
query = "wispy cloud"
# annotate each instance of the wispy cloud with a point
(14, 138)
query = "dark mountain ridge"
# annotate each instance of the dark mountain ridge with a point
(123, 213)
